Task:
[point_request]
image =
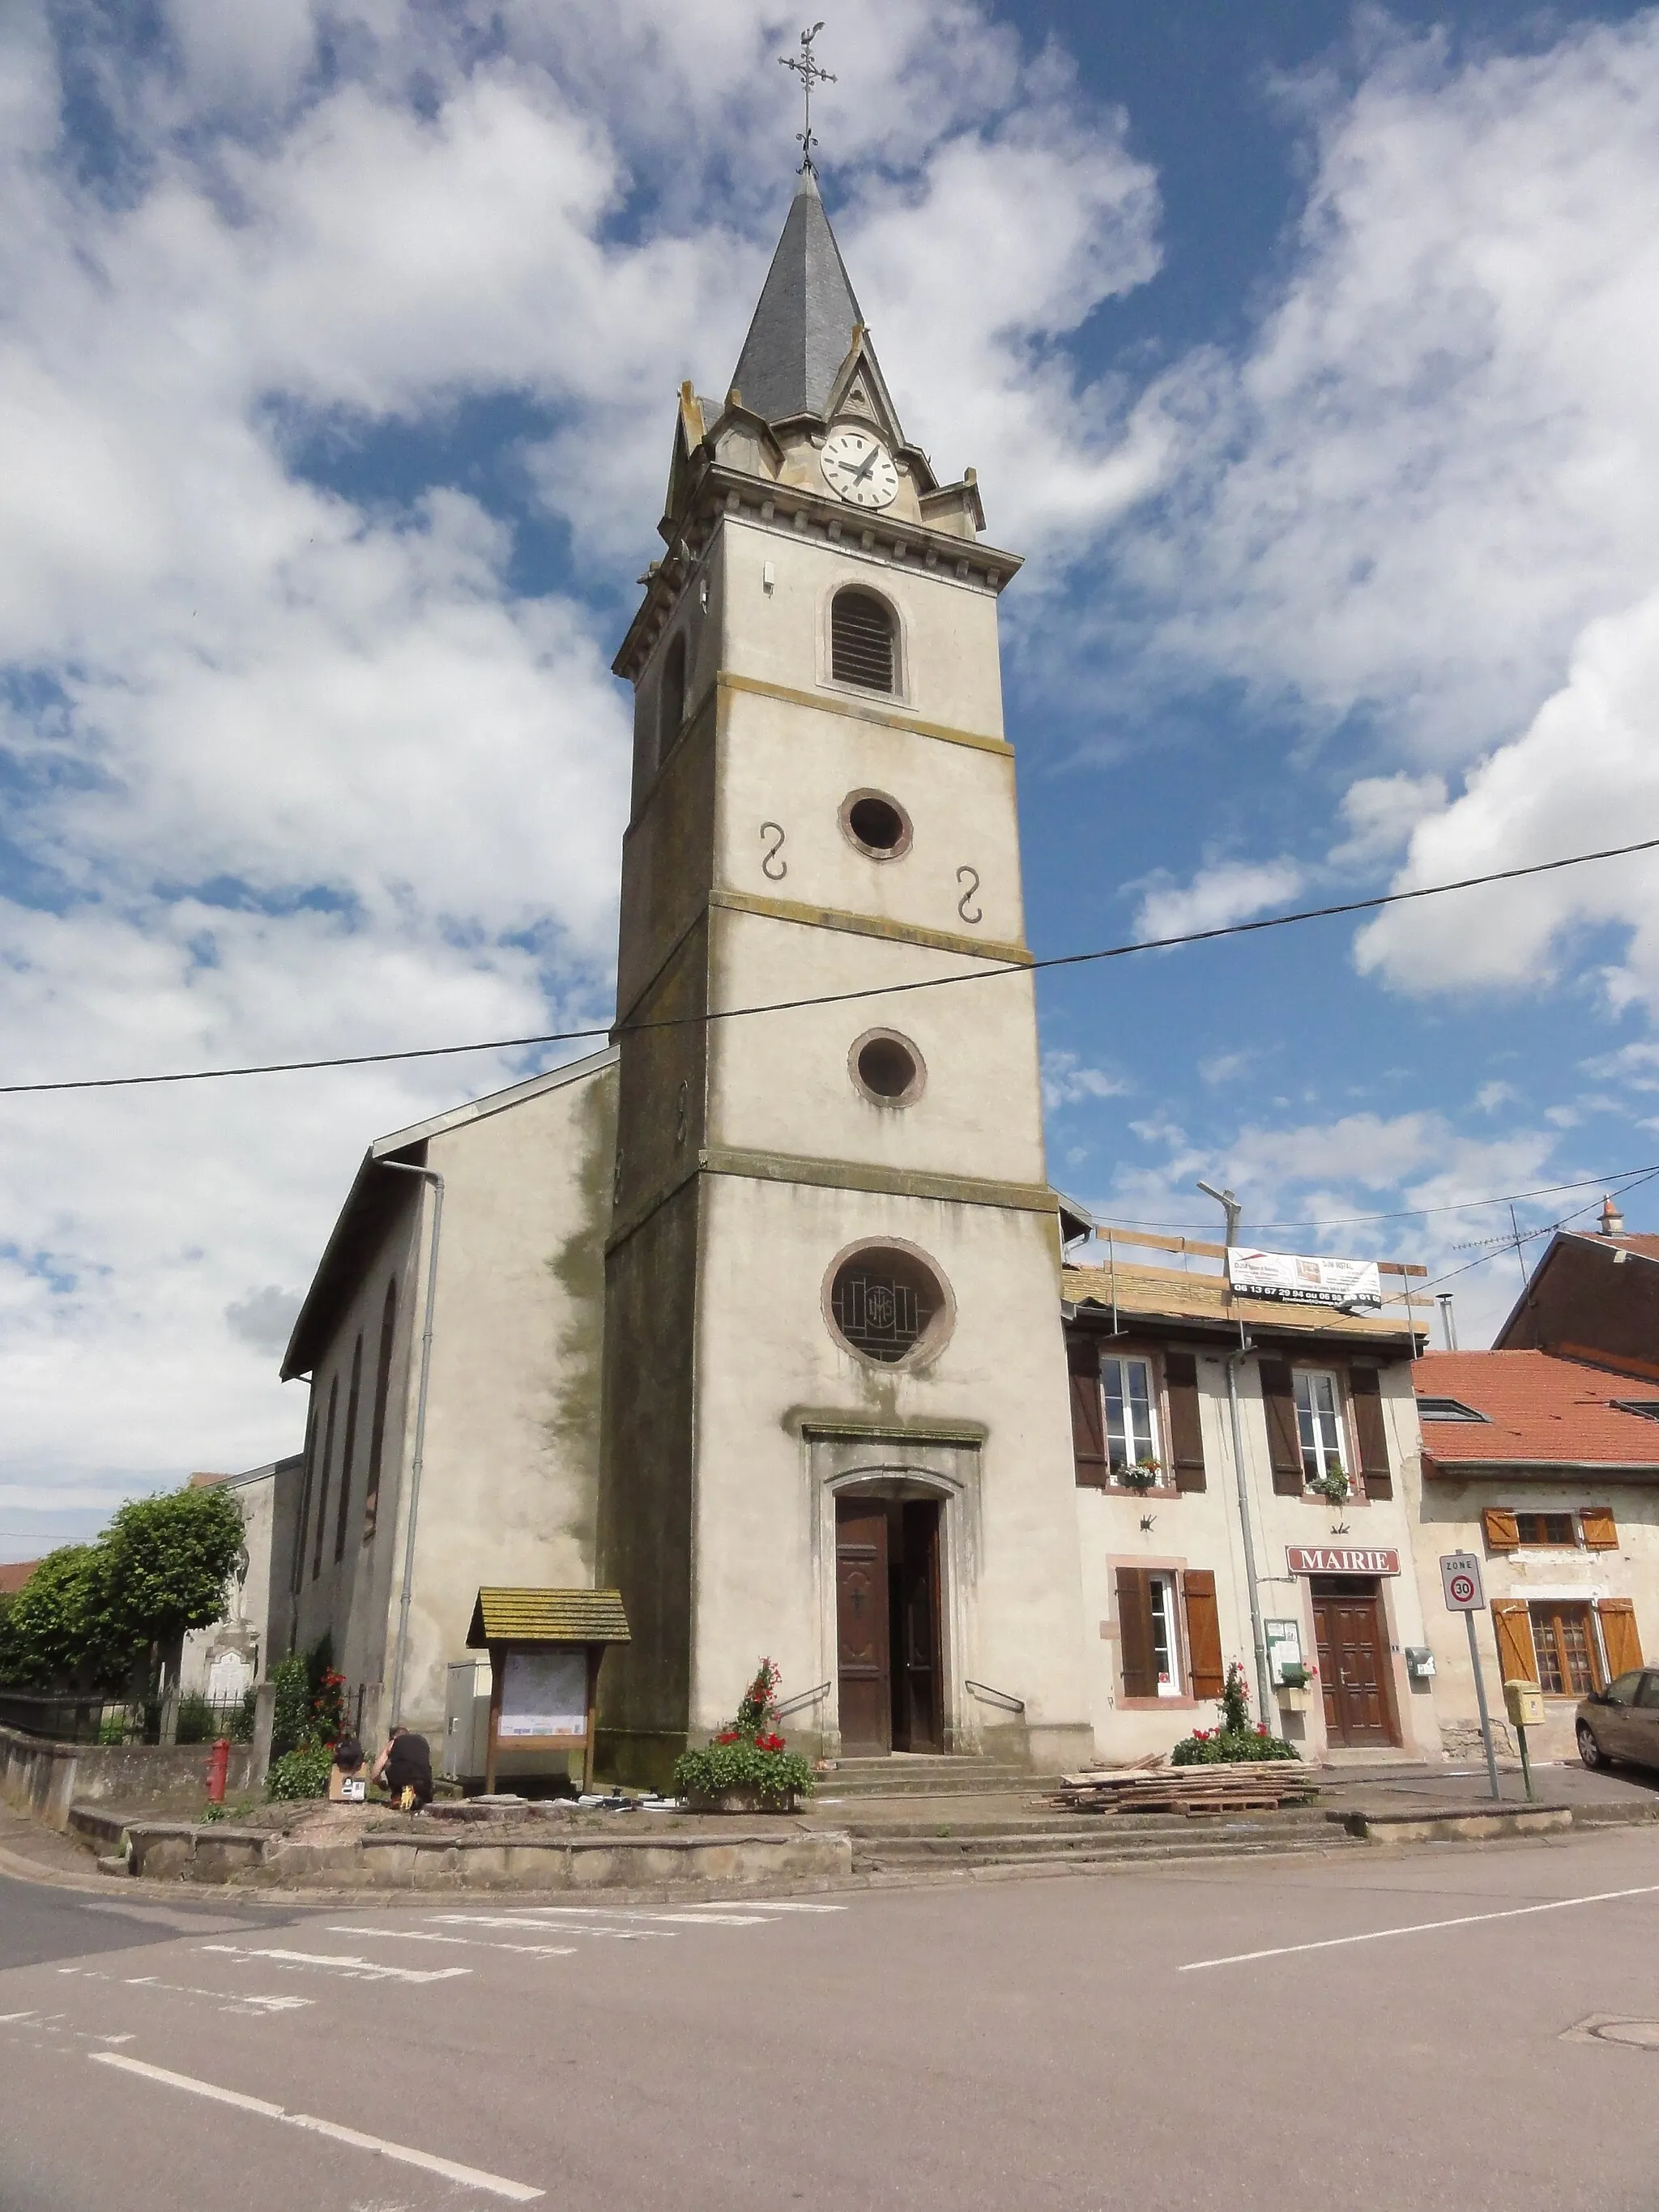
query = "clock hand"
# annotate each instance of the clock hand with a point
(870, 459)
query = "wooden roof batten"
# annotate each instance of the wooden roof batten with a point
(547, 1616)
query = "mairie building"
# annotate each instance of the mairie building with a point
(767, 1316)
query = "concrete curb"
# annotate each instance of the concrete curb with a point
(251, 1858)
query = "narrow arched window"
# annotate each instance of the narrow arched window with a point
(671, 699)
(322, 1488)
(382, 1392)
(350, 1451)
(861, 640)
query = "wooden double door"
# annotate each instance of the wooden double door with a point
(1353, 1643)
(887, 1619)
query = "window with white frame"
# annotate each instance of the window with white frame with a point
(1319, 1424)
(1131, 1414)
(1166, 1652)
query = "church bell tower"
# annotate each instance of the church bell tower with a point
(836, 1424)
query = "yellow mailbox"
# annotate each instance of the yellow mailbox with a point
(1524, 1702)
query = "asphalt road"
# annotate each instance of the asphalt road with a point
(1194, 2037)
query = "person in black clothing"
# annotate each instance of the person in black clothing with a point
(405, 1768)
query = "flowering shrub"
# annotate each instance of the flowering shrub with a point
(748, 1754)
(301, 1772)
(1235, 1739)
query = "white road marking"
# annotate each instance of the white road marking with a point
(227, 2000)
(358, 1969)
(473, 1942)
(766, 1905)
(470, 2176)
(561, 1927)
(1420, 1927)
(7, 2018)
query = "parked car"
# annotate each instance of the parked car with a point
(1622, 1721)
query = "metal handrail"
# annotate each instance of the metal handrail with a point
(801, 1698)
(994, 1697)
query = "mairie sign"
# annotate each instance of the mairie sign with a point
(1335, 1559)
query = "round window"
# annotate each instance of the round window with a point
(877, 825)
(887, 1068)
(887, 1304)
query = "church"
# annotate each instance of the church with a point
(763, 1316)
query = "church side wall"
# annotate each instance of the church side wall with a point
(509, 1490)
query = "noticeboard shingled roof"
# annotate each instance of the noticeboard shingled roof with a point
(548, 1616)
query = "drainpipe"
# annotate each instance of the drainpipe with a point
(431, 1175)
(1227, 1200)
(1258, 1635)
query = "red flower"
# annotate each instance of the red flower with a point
(730, 1736)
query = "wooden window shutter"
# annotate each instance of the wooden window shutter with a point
(1087, 1414)
(1370, 1432)
(1203, 1632)
(1516, 1660)
(1503, 1533)
(1623, 1646)
(1600, 1531)
(1284, 1441)
(1186, 1428)
(1135, 1622)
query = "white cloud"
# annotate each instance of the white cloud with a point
(1584, 776)
(1438, 462)
(1066, 1081)
(1490, 1096)
(1224, 892)
(1223, 1067)
(1381, 811)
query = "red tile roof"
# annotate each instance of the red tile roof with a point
(15, 1575)
(1540, 1410)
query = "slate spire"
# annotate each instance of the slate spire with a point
(803, 327)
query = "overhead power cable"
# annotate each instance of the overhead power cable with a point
(1527, 1236)
(984, 972)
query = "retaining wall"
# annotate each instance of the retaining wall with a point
(44, 1778)
(185, 1851)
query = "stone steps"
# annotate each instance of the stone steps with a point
(921, 1774)
(875, 1858)
(1153, 1836)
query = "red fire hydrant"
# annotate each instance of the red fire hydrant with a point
(218, 1768)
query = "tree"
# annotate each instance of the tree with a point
(92, 1615)
(45, 1636)
(163, 1565)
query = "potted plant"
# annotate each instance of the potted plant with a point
(748, 1767)
(1236, 1739)
(1142, 1476)
(1332, 1485)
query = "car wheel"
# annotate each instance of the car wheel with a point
(1588, 1750)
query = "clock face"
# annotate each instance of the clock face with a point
(859, 466)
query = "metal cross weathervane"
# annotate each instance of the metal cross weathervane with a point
(808, 71)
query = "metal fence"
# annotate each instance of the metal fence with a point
(93, 1719)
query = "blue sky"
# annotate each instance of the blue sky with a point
(1305, 351)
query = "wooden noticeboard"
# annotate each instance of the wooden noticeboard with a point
(541, 1699)
(545, 1647)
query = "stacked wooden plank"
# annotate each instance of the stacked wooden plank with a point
(1244, 1786)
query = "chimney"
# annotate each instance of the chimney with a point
(1612, 1223)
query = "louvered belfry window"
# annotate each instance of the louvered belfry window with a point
(861, 640)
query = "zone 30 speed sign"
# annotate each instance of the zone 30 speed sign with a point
(1460, 1577)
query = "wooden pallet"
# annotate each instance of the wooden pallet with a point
(1258, 1786)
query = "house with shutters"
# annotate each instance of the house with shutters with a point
(1222, 1443)
(1545, 1465)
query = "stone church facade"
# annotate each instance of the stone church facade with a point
(761, 1316)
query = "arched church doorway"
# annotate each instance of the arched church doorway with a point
(888, 1616)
